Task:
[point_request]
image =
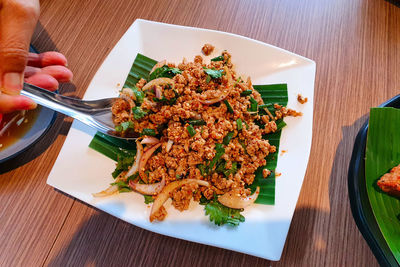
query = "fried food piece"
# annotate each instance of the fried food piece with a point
(390, 182)
(207, 49)
(302, 99)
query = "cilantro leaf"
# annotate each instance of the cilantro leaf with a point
(138, 112)
(133, 177)
(220, 215)
(139, 95)
(164, 71)
(122, 186)
(126, 125)
(123, 164)
(215, 74)
(148, 199)
(232, 170)
(207, 168)
(124, 190)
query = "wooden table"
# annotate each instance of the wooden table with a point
(356, 45)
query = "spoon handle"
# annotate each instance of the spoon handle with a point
(72, 107)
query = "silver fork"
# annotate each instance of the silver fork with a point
(95, 113)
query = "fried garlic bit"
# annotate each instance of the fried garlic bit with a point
(302, 99)
(207, 49)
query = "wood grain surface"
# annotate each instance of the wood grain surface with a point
(356, 45)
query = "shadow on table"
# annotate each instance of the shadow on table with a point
(104, 240)
(314, 242)
(394, 2)
(41, 42)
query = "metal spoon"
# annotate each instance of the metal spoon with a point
(95, 113)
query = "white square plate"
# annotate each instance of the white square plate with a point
(80, 171)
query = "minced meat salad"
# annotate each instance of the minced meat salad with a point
(200, 134)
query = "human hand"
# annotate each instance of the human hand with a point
(18, 19)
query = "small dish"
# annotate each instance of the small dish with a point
(44, 119)
(359, 201)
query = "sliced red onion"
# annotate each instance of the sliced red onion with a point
(109, 191)
(214, 100)
(169, 145)
(149, 140)
(135, 166)
(128, 91)
(158, 92)
(234, 200)
(158, 81)
(197, 116)
(144, 159)
(148, 189)
(249, 83)
(128, 99)
(158, 65)
(164, 194)
(228, 75)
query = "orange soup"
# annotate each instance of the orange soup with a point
(20, 124)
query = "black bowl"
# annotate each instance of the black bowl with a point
(359, 201)
(45, 119)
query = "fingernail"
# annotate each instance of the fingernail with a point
(33, 105)
(27, 104)
(12, 83)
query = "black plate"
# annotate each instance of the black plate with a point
(45, 118)
(359, 201)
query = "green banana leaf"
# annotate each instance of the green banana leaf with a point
(382, 154)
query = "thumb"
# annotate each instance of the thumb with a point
(17, 22)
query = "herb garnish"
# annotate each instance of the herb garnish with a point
(220, 215)
(164, 71)
(239, 124)
(246, 93)
(139, 95)
(148, 199)
(138, 113)
(215, 74)
(228, 138)
(229, 107)
(219, 58)
(150, 132)
(253, 105)
(197, 122)
(191, 130)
